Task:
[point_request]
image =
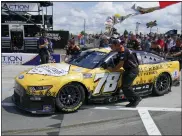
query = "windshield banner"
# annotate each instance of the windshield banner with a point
(50, 70)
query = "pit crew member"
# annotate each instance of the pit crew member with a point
(128, 61)
(43, 48)
(72, 49)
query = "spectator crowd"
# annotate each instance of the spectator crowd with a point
(161, 44)
(157, 43)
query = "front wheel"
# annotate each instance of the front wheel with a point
(70, 97)
(162, 84)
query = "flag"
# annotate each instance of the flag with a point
(109, 21)
(122, 18)
(171, 32)
(117, 18)
(141, 10)
(162, 4)
(151, 24)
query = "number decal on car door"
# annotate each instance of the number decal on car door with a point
(110, 80)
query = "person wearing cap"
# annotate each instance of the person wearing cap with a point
(128, 61)
(160, 42)
(43, 48)
(176, 51)
(155, 47)
(104, 42)
(133, 43)
(72, 49)
(147, 44)
(142, 39)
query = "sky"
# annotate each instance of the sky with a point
(70, 16)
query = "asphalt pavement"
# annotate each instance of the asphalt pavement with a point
(154, 115)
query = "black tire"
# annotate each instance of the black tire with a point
(162, 84)
(72, 93)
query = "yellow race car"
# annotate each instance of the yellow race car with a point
(66, 86)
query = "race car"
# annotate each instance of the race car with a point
(67, 85)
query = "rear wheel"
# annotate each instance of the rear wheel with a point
(162, 84)
(70, 97)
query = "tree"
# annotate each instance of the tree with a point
(125, 32)
(83, 33)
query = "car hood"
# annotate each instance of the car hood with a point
(52, 72)
(57, 69)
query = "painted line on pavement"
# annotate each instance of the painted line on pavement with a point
(138, 108)
(117, 108)
(148, 122)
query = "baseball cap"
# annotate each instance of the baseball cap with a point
(117, 41)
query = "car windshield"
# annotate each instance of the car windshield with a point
(88, 59)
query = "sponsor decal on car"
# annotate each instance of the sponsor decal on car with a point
(141, 87)
(108, 80)
(47, 108)
(175, 74)
(49, 70)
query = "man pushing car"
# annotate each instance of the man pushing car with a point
(128, 61)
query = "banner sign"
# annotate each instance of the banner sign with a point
(26, 58)
(15, 19)
(54, 36)
(28, 7)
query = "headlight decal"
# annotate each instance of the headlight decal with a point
(41, 93)
(48, 93)
(38, 90)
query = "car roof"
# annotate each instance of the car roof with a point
(145, 52)
(106, 50)
(135, 51)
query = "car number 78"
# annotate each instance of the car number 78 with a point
(110, 80)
